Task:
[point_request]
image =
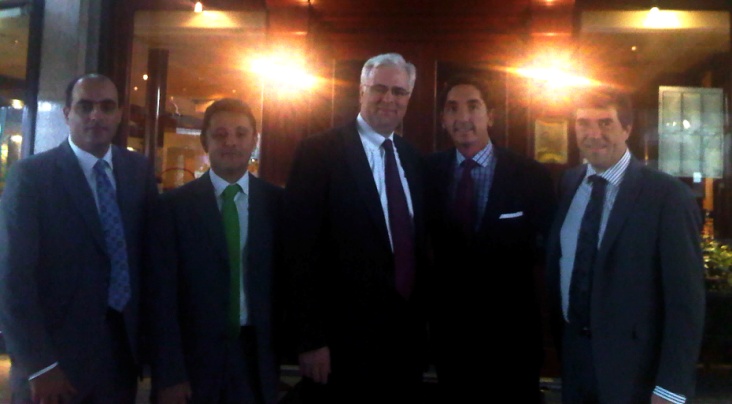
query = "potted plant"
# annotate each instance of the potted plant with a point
(717, 346)
(717, 265)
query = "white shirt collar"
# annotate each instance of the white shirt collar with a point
(220, 184)
(614, 174)
(87, 160)
(369, 137)
(483, 157)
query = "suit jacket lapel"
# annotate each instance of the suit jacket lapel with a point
(444, 177)
(256, 224)
(77, 188)
(497, 194)
(624, 202)
(364, 179)
(207, 212)
(125, 186)
(410, 164)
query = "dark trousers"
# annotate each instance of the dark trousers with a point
(407, 391)
(579, 380)
(241, 383)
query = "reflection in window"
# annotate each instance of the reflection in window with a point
(14, 23)
(691, 131)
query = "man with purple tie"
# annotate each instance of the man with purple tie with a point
(488, 210)
(355, 250)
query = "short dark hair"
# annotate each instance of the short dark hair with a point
(225, 105)
(607, 98)
(468, 80)
(96, 76)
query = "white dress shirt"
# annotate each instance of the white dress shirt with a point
(375, 153)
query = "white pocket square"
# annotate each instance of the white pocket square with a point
(511, 215)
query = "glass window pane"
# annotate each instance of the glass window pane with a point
(14, 25)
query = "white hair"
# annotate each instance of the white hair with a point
(389, 59)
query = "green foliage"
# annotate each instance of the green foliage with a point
(717, 264)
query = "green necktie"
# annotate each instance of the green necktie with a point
(231, 228)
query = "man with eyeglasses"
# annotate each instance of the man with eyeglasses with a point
(355, 250)
(72, 223)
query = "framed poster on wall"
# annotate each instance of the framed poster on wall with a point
(550, 140)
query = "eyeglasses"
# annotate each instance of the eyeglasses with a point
(85, 107)
(380, 89)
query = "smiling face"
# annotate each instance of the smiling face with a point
(384, 98)
(600, 136)
(467, 119)
(93, 115)
(230, 140)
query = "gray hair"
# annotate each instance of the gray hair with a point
(389, 59)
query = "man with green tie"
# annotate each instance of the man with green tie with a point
(211, 290)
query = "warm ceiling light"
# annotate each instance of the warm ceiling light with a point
(284, 72)
(198, 7)
(661, 19)
(554, 77)
(144, 77)
(16, 104)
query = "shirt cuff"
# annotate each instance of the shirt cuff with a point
(42, 371)
(674, 398)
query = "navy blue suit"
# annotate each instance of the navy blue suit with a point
(485, 307)
(342, 268)
(190, 289)
(54, 268)
(647, 307)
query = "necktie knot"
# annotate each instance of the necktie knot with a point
(596, 180)
(468, 164)
(100, 167)
(388, 146)
(230, 192)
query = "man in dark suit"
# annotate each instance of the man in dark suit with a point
(355, 249)
(72, 225)
(625, 269)
(212, 289)
(488, 210)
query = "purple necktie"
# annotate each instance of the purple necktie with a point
(465, 198)
(400, 223)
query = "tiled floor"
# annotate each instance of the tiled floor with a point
(714, 385)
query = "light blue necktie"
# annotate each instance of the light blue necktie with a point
(114, 235)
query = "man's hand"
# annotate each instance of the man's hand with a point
(176, 394)
(51, 387)
(315, 364)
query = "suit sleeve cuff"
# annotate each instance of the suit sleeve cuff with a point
(42, 371)
(674, 398)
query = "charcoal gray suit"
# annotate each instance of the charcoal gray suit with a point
(647, 304)
(55, 270)
(190, 290)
